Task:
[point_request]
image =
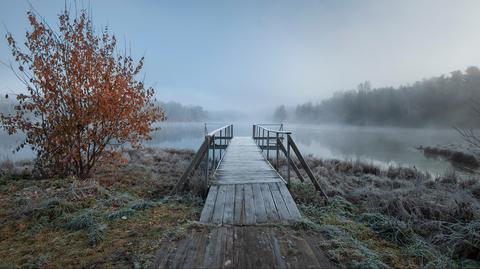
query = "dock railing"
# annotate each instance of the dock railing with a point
(216, 140)
(264, 133)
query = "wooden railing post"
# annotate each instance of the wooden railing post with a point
(213, 152)
(263, 139)
(288, 158)
(207, 140)
(203, 154)
(277, 149)
(268, 145)
(220, 149)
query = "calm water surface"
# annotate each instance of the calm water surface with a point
(381, 146)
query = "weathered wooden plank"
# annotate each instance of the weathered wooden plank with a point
(279, 203)
(289, 202)
(217, 217)
(214, 252)
(163, 255)
(249, 205)
(239, 204)
(183, 251)
(270, 208)
(228, 212)
(207, 210)
(260, 213)
(238, 182)
(196, 254)
(228, 256)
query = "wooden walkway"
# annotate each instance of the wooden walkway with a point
(243, 247)
(246, 190)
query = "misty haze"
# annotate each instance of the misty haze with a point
(240, 134)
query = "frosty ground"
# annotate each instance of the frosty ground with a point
(376, 218)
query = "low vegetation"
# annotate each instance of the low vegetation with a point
(395, 217)
(457, 158)
(82, 98)
(376, 218)
(115, 219)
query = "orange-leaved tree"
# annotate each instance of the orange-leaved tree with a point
(82, 96)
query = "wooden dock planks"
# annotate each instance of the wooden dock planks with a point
(247, 190)
(242, 247)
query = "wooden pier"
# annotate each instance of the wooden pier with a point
(243, 186)
(246, 190)
(245, 195)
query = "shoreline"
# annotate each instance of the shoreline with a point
(129, 209)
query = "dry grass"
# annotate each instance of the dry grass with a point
(457, 158)
(428, 222)
(116, 219)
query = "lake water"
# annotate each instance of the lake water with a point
(381, 146)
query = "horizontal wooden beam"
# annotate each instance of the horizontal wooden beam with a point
(266, 138)
(219, 146)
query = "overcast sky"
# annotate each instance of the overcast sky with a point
(247, 55)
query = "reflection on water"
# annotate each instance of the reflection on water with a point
(381, 146)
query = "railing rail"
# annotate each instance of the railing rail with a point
(216, 140)
(263, 136)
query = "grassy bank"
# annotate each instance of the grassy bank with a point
(116, 219)
(396, 217)
(462, 159)
(377, 218)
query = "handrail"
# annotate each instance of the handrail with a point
(280, 131)
(210, 123)
(212, 133)
(209, 144)
(262, 136)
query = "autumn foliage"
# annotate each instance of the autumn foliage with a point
(83, 98)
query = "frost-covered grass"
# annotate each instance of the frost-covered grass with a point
(397, 217)
(115, 219)
(457, 156)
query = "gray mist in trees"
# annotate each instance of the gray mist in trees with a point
(443, 101)
(179, 112)
(280, 114)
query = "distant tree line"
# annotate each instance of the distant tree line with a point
(442, 101)
(173, 110)
(179, 112)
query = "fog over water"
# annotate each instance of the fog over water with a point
(254, 55)
(240, 60)
(380, 146)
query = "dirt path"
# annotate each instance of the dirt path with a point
(243, 247)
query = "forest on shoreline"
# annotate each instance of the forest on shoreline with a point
(442, 101)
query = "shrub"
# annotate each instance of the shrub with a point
(82, 96)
